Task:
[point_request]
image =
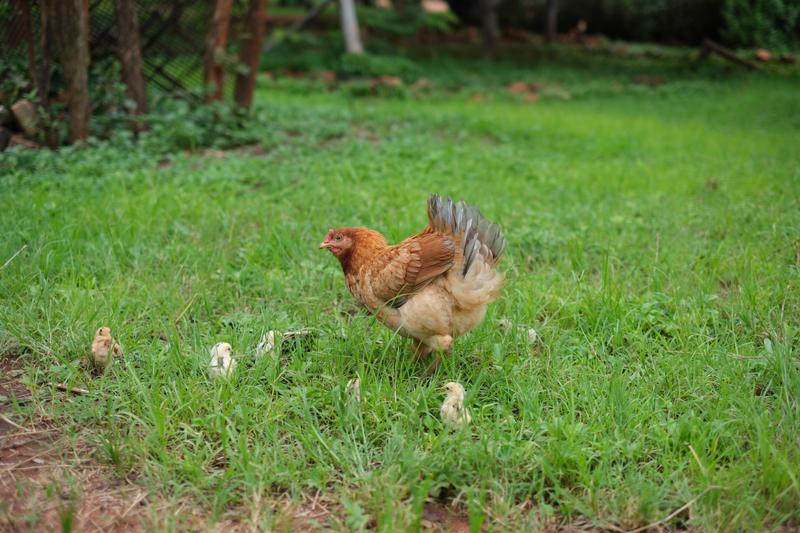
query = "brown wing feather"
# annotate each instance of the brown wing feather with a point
(408, 266)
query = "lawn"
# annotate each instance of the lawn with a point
(653, 243)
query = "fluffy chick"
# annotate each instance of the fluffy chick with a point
(266, 345)
(222, 362)
(354, 389)
(104, 348)
(453, 412)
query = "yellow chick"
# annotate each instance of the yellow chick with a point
(222, 362)
(104, 347)
(453, 412)
(354, 389)
(266, 345)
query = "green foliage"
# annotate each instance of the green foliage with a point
(14, 82)
(408, 19)
(176, 124)
(773, 24)
(376, 65)
(110, 105)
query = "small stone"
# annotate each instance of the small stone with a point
(25, 114)
(504, 324)
(533, 337)
(266, 345)
(20, 140)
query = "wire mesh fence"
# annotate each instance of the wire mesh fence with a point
(172, 36)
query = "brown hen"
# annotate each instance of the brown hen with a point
(432, 287)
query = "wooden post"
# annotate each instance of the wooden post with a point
(43, 73)
(250, 53)
(71, 33)
(216, 38)
(490, 27)
(130, 56)
(552, 20)
(352, 39)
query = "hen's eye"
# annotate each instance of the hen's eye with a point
(338, 237)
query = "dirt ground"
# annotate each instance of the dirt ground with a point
(50, 482)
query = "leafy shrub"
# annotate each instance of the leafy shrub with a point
(175, 124)
(376, 65)
(768, 23)
(14, 83)
(674, 21)
(406, 19)
(110, 105)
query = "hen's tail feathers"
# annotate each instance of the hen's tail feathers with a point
(461, 219)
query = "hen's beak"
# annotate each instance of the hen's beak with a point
(327, 242)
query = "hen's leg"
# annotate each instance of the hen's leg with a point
(420, 349)
(442, 344)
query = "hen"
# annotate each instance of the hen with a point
(435, 285)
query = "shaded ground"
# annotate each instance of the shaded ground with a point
(46, 483)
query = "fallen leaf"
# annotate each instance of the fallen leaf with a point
(517, 87)
(326, 76)
(421, 85)
(763, 55)
(650, 81)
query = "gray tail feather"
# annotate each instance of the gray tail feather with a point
(449, 217)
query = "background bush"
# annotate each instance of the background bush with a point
(744, 23)
(767, 23)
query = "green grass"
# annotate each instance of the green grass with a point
(653, 239)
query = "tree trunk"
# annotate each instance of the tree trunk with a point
(71, 33)
(130, 56)
(490, 27)
(216, 38)
(43, 73)
(552, 20)
(352, 39)
(250, 53)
